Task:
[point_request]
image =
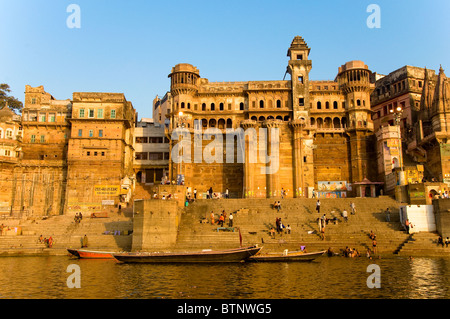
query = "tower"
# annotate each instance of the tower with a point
(299, 67)
(354, 82)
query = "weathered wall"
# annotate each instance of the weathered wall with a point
(442, 214)
(155, 225)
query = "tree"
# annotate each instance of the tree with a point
(5, 99)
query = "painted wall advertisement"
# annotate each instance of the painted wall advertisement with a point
(108, 190)
(332, 189)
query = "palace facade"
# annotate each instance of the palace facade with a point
(326, 139)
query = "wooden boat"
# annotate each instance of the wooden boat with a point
(73, 252)
(91, 254)
(204, 256)
(287, 256)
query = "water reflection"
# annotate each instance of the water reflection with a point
(428, 278)
(326, 278)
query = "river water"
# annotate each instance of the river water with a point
(325, 278)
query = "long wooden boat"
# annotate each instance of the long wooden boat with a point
(91, 254)
(287, 256)
(204, 256)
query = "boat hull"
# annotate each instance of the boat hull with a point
(73, 252)
(91, 254)
(290, 257)
(221, 256)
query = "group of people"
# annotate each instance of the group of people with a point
(47, 241)
(78, 217)
(212, 195)
(280, 227)
(277, 205)
(442, 242)
(222, 219)
(351, 252)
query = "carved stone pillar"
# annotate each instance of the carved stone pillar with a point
(297, 126)
(249, 168)
(272, 172)
(302, 160)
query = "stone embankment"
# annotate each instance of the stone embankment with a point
(112, 234)
(253, 219)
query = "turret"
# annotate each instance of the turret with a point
(354, 81)
(299, 68)
(184, 79)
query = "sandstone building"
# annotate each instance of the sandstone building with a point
(151, 161)
(10, 153)
(326, 140)
(73, 155)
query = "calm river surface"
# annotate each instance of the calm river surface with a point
(325, 278)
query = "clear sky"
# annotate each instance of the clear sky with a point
(131, 46)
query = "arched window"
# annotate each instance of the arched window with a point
(358, 102)
(336, 122)
(287, 118)
(261, 104)
(212, 123)
(204, 123)
(254, 118)
(319, 105)
(241, 106)
(229, 123)
(279, 104)
(327, 105)
(204, 107)
(261, 119)
(189, 106)
(319, 122)
(335, 105)
(221, 124)
(182, 105)
(213, 107)
(279, 117)
(221, 106)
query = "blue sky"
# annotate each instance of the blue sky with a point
(131, 46)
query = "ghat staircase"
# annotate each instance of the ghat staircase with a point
(253, 219)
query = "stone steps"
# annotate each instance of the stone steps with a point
(67, 234)
(423, 244)
(300, 214)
